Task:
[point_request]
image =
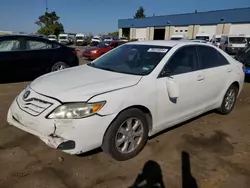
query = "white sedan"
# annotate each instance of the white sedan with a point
(127, 95)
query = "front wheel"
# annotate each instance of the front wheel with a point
(127, 135)
(229, 100)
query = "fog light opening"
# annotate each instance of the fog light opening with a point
(67, 145)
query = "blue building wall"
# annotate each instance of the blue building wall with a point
(239, 15)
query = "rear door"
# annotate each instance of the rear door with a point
(216, 70)
(39, 55)
(10, 57)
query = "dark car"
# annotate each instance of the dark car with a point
(23, 56)
(244, 57)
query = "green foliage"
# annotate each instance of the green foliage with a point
(49, 24)
(88, 38)
(114, 34)
(140, 13)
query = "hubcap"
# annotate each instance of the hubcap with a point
(129, 135)
(59, 67)
(230, 99)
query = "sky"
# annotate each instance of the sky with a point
(98, 16)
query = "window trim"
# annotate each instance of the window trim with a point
(198, 62)
(219, 53)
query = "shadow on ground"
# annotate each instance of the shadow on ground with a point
(151, 175)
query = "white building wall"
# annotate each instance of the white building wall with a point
(181, 30)
(141, 33)
(237, 29)
(208, 29)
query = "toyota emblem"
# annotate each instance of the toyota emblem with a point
(26, 94)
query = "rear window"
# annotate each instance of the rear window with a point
(176, 38)
(238, 40)
(202, 38)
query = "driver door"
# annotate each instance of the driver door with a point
(185, 72)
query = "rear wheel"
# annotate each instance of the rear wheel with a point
(229, 100)
(127, 135)
(59, 66)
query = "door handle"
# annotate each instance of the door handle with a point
(200, 78)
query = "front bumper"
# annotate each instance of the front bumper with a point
(86, 133)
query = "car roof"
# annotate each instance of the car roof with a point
(169, 43)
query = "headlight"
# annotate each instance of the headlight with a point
(75, 110)
(94, 51)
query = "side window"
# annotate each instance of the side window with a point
(9, 45)
(210, 57)
(183, 61)
(37, 45)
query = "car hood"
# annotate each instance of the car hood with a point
(81, 83)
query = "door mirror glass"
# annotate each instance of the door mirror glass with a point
(172, 88)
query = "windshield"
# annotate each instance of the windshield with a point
(238, 40)
(52, 37)
(176, 38)
(132, 59)
(103, 44)
(79, 38)
(62, 37)
(202, 38)
(96, 38)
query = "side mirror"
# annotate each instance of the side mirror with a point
(172, 88)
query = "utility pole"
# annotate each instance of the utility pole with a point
(46, 1)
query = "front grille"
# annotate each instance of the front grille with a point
(87, 51)
(33, 106)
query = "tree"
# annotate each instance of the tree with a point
(114, 34)
(49, 24)
(140, 13)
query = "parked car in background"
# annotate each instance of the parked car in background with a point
(203, 36)
(52, 38)
(27, 56)
(244, 57)
(216, 40)
(196, 40)
(124, 39)
(100, 49)
(94, 43)
(107, 38)
(64, 39)
(177, 37)
(233, 43)
(96, 39)
(135, 91)
(248, 40)
(80, 39)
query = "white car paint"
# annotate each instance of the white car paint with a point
(52, 37)
(199, 91)
(96, 39)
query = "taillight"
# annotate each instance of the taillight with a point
(75, 52)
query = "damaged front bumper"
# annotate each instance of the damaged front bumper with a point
(73, 136)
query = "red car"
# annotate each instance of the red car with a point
(102, 48)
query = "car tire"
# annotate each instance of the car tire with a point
(119, 135)
(229, 100)
(59, 66)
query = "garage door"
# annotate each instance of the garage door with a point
(140, 33)
(237, 29)
(208, 29)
